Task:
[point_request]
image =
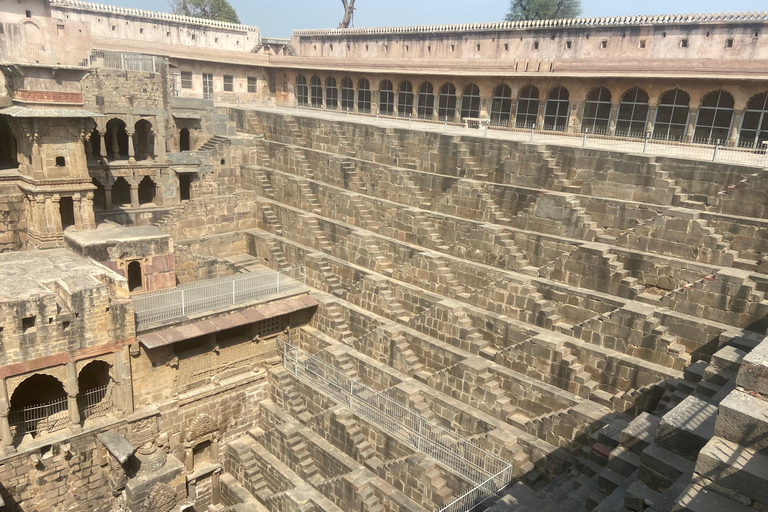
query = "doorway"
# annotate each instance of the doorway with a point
(67, 212)
(185, 181)
(184, 139)
(135, 283)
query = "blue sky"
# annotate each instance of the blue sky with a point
(279, 18)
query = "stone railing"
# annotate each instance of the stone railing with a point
(663, 19)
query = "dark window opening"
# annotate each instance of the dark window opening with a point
(8, 151)
(426, 104)
(470, 102)
(135, 281)
(185, 183)
(302, 94)
(121, 192)
(316, 91)
(446, 102)
(184, 139)
(347, 94)
(556, 110)
(363, 95)
(117, 139)
(501, 105)
(331, 94)
(229, 83)
(527, 115)
(405, 99)
(27, 323)
(60, 161)
(28, 14)
(386, 98)
(147, 190)
(38, 405)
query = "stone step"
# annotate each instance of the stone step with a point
(688, 427)
(697, 499)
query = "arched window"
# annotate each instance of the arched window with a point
(527, 115)
(672, 115)
(754, 126)
(632, 120)
(446, 102)
(95, 397)
(347, 94)
(501, 105)
(386, 98)
(597, 111)
(316, 91)
(117, 139)
(556, 110)
(121, 192)
(135, 279)
(470, 101)
(143, 140)
(426, 105)
(714, 120)
(363, 95)
(331, 94)
(38, 405)
(405, 99)
(8, 151)
(302, 94)
(146, 190)
(184, 139)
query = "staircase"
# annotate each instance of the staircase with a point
(309, 198)
(214, 143)
(330, 279)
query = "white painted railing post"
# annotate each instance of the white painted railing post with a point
(233, 293)
(183, 305)
(278, 282)
(418, 439)
(714, 153)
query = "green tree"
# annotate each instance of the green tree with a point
(520, 10)
(219, 10)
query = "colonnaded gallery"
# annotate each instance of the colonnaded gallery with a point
(514, 267)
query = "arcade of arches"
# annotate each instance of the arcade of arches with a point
(675, 113)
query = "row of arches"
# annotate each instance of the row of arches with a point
(39, 403)
(632, 116)
(118, 143)
(120, 193)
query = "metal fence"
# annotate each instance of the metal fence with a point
(752, 154)
(213, 294)
(95, 402)
(487, 472)
(125, 61)
(46, 417)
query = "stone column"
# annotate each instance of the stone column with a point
(738, 115)
(134, 194)
(691, 126)
(612, 120)
(651, 118)
(87, 217)
(72, 391)
(574, 117)
(41, 215)
(115, 146)
(542, 109)
(77, 206)
(102, 146)
(124, 384)
(107, 197)
(52, 214)
(131, 151)
(6, 437)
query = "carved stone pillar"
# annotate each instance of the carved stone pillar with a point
(124, 387)
(115, 146)
(612, 120)
(87, 217)
(134, 194)
(102, 146)
(6, 437)
(651, 119)
(77, 207)
(691, 126)
(107, 197)
(72, 391)
(738, 115)
(54, 214)
(131, 151)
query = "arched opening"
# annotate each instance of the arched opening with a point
(144, 140)
(116, 139)
(316, 91)
(135, 281)
(347, 94)
(501, 106)
(121, 192)
(38, 405)
(556, 111)
(67, 212)
(405, 99)
(470, 101)
(715, 116)
(632, 120)
(302, 93)
(331, 94)
(8, 149)
(99, 195)
(672, 115)
(201, 454)
(597, 111)
(94, 397)
(185, 186)
(184, 139)
(527, 115)
(425, 107)
(363, 95)
(754, 126)
(95, 144)
(446, 102)
(386, 98)
(147, 190)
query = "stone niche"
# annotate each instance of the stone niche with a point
(143, 254)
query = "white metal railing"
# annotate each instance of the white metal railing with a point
(487, 472)
(752, 154)
(125, 61)
(212, 294)
(45, 417)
